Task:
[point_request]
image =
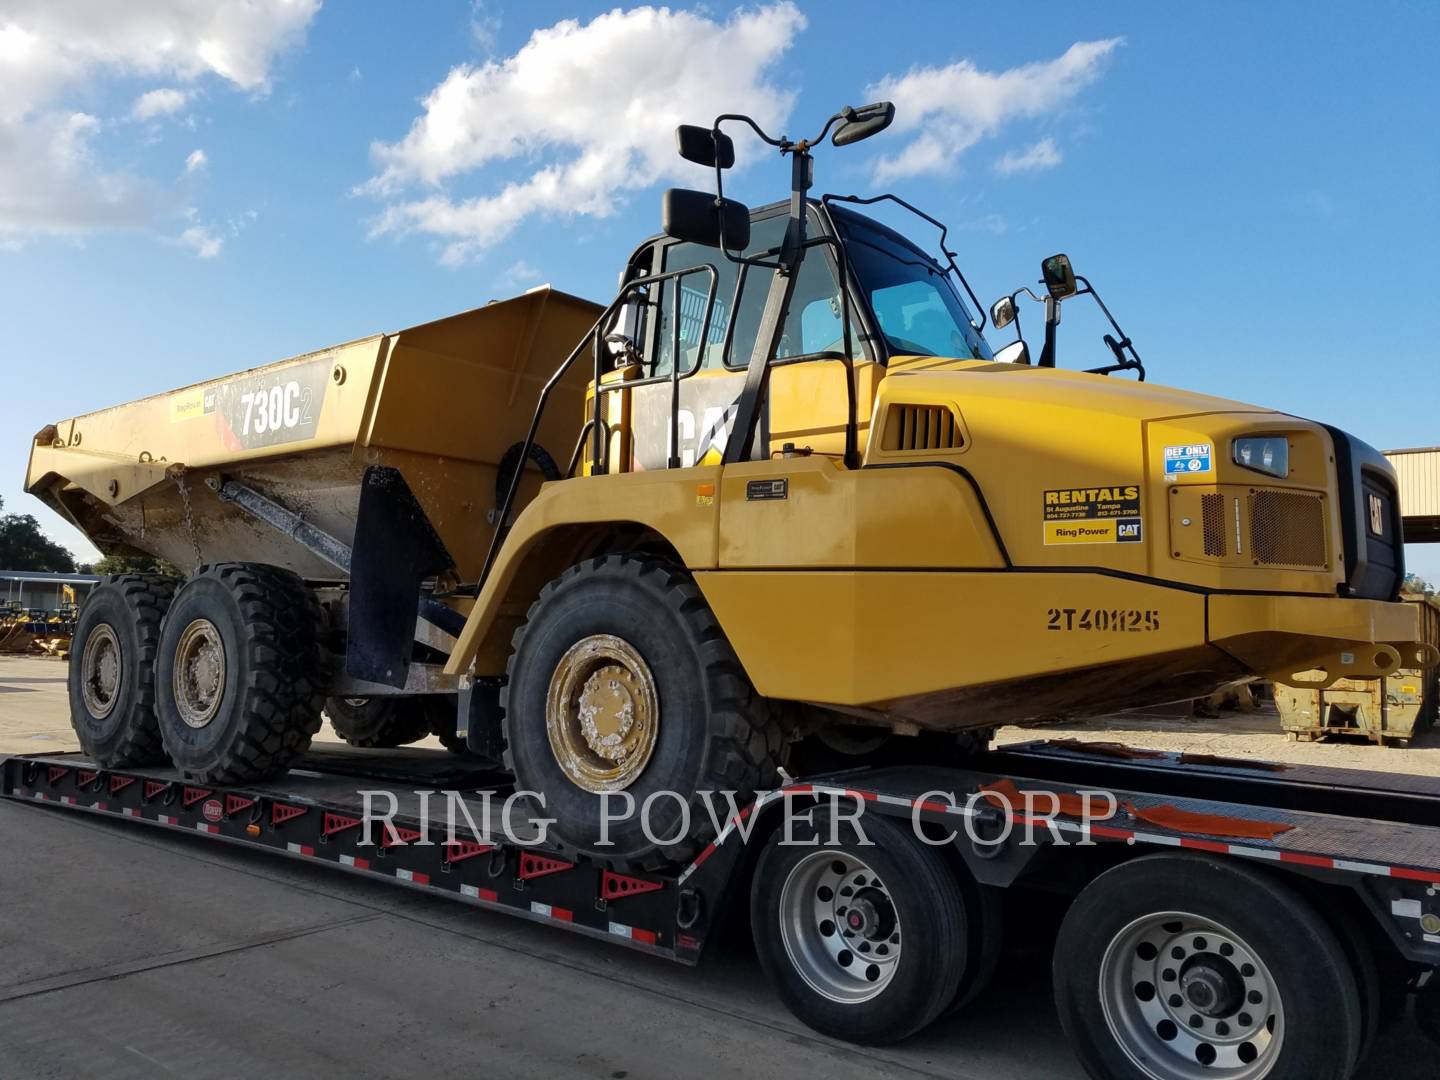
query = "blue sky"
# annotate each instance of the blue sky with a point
(1254, 188)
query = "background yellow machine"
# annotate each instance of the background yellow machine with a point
(789, 492)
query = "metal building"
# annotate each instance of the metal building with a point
(1419, 472)
(43, 590)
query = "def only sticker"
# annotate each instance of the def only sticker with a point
(1189, 459)
(1093, 515)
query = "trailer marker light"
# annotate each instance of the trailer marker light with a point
(252, 830)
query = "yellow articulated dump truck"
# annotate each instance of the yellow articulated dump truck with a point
(781, 491)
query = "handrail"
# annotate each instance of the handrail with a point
(600, 430)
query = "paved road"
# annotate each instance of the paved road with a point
(130, 952)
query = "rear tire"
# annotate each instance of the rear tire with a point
(872, 982)
(241, 673)
(111, 680)
(630, 639)
(378, 722)
(1167, 966)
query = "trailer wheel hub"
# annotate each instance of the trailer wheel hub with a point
(1188, 998)
(602, 713)
(100, 671)
(198, 682)
(839, 927)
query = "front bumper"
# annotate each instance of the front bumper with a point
(1323, 638)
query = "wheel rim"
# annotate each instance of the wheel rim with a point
(1187, 998)
(839, 927)
(100, 667)
(602, 713)
(198, 680)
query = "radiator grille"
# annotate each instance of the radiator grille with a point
(1287, 529)
(1212, 517)
(922, 427)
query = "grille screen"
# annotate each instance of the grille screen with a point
(1287, 529)
(922, 427)
(1212, 517)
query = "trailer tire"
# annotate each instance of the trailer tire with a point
(241, 673)
(111, 680)
(863, 982)
(1427, 1014)
(646, 624)
(1238, 957)
(378, 722)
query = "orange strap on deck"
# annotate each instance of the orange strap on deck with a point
(1177, 820)
(1070, 805)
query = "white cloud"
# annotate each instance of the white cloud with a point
(520, 273)
(196, 161)
(590, 109)
(202, 240)
(947, 110)
(160, 102)
(1043, 155)
(51, 51)
(484, 25)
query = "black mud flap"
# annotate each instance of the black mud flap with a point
(396, 549)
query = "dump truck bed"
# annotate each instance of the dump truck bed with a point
(441, 402)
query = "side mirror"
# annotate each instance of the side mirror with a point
(1017, 352)
(1002, 312)
(1059, 277)
(695, 216)
(861, 123)
(705, 147)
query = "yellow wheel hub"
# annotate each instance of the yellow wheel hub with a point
(602, 713)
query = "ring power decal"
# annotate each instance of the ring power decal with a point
(1094, 515)
(1189, 459)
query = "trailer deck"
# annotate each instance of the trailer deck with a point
(317, 812)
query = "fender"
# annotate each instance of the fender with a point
(562, 524)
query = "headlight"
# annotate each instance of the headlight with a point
(1269, 455)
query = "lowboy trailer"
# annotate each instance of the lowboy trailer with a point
(1228, 918)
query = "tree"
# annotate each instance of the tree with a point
(134, 564)
(24, 547)
(1414, 583)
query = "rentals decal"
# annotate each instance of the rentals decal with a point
(1096, 515)
(1185, 460)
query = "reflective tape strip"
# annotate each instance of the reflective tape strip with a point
(358, 863)
(206, 827)
(68, 800)
(633, 933)
(130, 811)
(165, 819)
(98, 806)
(490, 896)
(560, 914)
(299, 849)
(412, 875)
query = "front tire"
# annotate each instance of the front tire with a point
(621, 681)
(111, 680)
(241, 673)
(865, 943)
(1172, 967)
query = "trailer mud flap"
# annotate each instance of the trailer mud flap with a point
(396, 548)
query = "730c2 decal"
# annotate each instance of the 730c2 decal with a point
(1103, 620)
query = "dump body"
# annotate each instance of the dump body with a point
(440, 402)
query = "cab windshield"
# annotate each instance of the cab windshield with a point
(914, 302)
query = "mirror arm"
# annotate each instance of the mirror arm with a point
(1052, 320)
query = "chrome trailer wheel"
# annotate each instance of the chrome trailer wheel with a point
(1188, 998)
(840, 927)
